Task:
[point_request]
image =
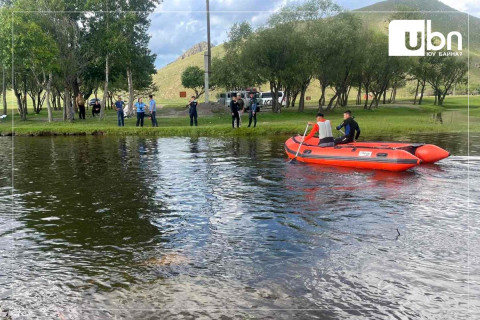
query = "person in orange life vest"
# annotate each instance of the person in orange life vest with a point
(324, 129)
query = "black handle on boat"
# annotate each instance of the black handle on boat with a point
(303, 138)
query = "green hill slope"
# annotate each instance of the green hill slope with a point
(168, 79)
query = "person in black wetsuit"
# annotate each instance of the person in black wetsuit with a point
(234, 111)
(352, 130)
(192, 111)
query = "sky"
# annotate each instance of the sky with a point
(177, 25)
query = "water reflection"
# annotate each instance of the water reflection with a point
(200, 227)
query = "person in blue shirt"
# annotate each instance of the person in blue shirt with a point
(352, 130)
(192, 111)
(140, 111)
(153, 111)
(119, 106)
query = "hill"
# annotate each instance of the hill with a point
(444, 19)
(168, 78)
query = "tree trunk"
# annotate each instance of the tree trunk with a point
(366, 97)
(130, 111)
(49, 90)
(4, 91)
(330, 103)
(76, 90)
(294, 98)
(421, 93)
(103, 104)
(321, 101)
(301, 103)
(359, 95)
(25, 106)
(416, 92)
(394, 95)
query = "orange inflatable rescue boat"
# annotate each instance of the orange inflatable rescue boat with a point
(391, 156)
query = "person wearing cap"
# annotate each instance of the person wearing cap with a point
(324, 129)
(352, 130)
(119, 104)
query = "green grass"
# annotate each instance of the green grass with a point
(386, 120)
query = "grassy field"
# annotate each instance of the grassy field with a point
(389, 120)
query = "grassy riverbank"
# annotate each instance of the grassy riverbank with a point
(402, 118)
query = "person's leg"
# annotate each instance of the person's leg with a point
(191, 119)
(119, 121)
(195, 117)
(255, 120)
(250, 115)
(93, 113)
(138, 119)
(83, 112)
(233, 121)
(142, 117)
(153, 118)
(343, 140)
(123, 118)
(238, 119)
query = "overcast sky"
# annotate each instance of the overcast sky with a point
(179, 24)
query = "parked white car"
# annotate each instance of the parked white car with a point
(265, 98)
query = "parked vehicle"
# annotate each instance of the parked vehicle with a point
(265, 98)
(92, 101)
(225, 97)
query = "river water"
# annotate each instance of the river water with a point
(184, 228)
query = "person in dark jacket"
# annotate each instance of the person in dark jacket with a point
(192, 111)
(96, 108)
(252, 110)
(119, 104)
(352, 130)
(234, 111)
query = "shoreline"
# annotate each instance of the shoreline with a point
(214, 131)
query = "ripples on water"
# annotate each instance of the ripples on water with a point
(224, 228)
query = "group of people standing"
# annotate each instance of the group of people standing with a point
(119, 106)
(141, 107)
(237, 104)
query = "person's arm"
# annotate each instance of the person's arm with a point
(340, 126)
(312, 133)
(358, 132)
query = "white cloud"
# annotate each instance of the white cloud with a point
(177, 25)
(469, 6)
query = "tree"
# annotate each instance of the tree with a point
(31, 51)
(193, 78)
(444, 73)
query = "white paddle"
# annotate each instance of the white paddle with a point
(303, 138)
